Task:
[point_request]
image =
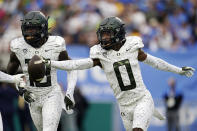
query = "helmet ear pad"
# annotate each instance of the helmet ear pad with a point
(35, 29)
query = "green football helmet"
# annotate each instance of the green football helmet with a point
(35, 28)
(114, 28)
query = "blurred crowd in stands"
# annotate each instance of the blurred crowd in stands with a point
(163, 24)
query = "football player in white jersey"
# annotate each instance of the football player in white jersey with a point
(9, 79)
(49, 100)
(118, 56)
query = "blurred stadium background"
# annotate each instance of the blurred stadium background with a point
(168, 29)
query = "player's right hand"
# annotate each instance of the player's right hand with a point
(187, 71)
(46, 62)
(69, 101)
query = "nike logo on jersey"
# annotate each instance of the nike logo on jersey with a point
(131, 47)
(128, 49)
(50, 96)
(48, 50)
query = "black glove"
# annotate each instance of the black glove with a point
(47, 62)
(69, 101)
(187, 71)
(27, 95)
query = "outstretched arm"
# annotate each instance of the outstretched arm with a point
(68, 65)
(71, 80)
(11, 79)
(163, 65)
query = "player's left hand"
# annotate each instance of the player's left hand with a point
(187, 71)
(69, 101)
(29, 97)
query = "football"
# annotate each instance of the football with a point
(36, 69)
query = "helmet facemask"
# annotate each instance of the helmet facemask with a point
(35, 31)
(106, 38)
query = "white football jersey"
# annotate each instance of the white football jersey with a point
(50, 50)
(122, 69)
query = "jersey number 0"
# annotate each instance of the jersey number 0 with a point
(125, 63)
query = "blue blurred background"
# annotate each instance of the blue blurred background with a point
(168, 29)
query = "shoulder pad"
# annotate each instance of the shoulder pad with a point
(95, 51)
(16, 44)
(134, 42)
(57, 42)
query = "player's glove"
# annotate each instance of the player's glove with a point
(187, 71)
(69, 101)
(46, 61)
(27, 95)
